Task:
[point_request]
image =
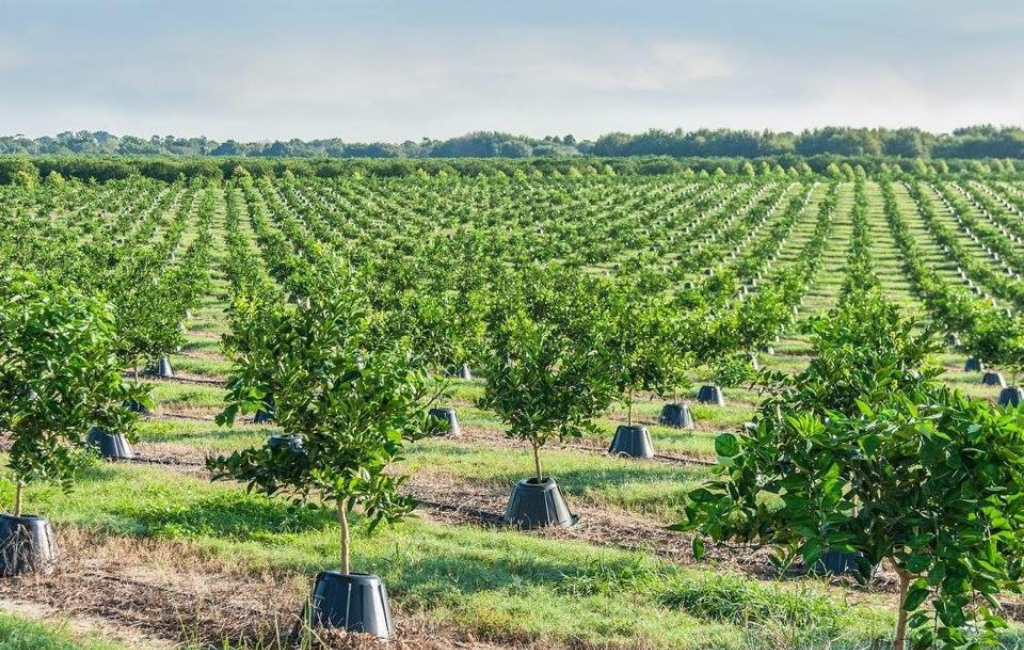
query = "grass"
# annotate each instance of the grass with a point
(494, 584)
(17, 633)
(651, 489)
(645, 488)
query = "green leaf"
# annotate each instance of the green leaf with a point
(726, 445)
(916, 595)
(698, 548)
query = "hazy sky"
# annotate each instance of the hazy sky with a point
(388, 70)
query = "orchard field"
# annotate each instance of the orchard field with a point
(155, 555)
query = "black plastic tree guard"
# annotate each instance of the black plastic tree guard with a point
(112, 446)
(27, 545)
(540, 504)
(838, 563)
(973, 364)
(293, 443)
(163, 368)
(711, 395)
(992, 378)
(135, 407)
(447, 414)
(263, 417)
(1011, 396)
(676, 415)
(632, 441)
(354, 602)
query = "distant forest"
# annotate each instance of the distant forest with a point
(974, 142)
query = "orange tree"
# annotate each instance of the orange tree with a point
(59, 375)
(866, 452)
(548, 371)
(353, 397)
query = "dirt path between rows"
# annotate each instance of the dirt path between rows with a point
(82, 625)
(158, 594)
(446, 499)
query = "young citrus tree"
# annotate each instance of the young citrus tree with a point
(148, 309)
(866, 453)
(59, 375)
(999, 340)
(547, 374)
(354, 399)
(247, 338)
(643, 344)
(447, 329)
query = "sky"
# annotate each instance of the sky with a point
(381, 70)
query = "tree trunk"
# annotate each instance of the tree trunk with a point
(345, 536)
(19, 492)
(536, 461)
(629, 416)
(901, 621)
(136, 372)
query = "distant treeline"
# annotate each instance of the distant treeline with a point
(974, 142)
(31, 169)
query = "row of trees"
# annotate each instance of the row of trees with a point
(83, 301)
(969, 142)
(340, 356)
(27, 170)
(865, 452)
(480, 144)
(983, 141)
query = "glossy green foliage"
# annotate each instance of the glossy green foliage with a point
(865, 452)
(59, 375)
(548, 371)
(354, 399)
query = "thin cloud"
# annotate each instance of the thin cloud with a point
(375, 71)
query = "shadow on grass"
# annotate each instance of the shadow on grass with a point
(204, 345)
(229, 515)
(453, 575)
(579, 481)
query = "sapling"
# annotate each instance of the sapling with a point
(865, 452)
(990, 338)
(354, 398)
(643, 344)
(547, 377)
(148, 306)
(248, 333)
(59, 375)
(758, 320)
(447, 329)
(1007, 336)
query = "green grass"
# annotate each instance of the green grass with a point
(652, 489)
(646, 488)
(495, 584)
(175, 395)
(17, 633)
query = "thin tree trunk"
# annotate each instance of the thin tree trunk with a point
(901, 621)
(536, 461)
(345, 536)
(19, 492)
(136, 372)
(629, 416)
